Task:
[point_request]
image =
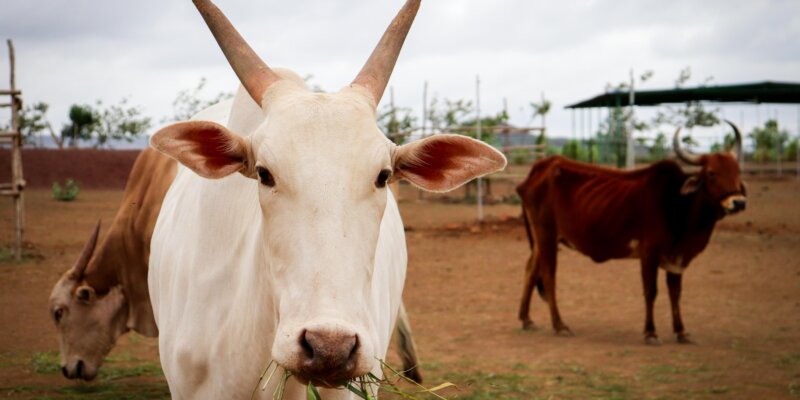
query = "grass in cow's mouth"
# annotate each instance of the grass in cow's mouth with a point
(362, 386)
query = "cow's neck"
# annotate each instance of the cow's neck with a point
(694, 229)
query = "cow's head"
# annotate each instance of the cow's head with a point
(321, 165)
(718, 180)
(88, 323)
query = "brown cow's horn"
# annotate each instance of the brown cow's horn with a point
(254, 74)
(378, 69)
(86, 255)
(689, 158)
(737, 143)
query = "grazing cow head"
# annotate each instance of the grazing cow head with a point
(88, 323)
(718, 180)
(321, 165)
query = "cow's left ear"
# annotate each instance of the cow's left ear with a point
(85, 294)
(207, 148)
(691, 185)
(444, 162)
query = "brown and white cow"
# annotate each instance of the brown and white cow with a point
(659, 214)
(104, 295)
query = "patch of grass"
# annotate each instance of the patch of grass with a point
(485, 386)
(520, 367)
(109, 373)
(718, 390)
(794, 388)
(46, 363)
(98, 391)
(789, 360)
(7, 255)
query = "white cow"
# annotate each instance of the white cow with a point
(279, 241)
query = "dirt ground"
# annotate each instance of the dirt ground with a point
(741, 303)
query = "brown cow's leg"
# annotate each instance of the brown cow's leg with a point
(547, 269)
(674, 284)
(649, 276)
(531, 277)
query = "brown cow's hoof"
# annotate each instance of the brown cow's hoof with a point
(564, 332)
(652, 340)
(528, 326)
(683, 338)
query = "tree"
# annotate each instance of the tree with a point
(33, 122)
(82, 119)
(541, 109)
(396, 121)
(189, 102)
(658, 151)
(118, 122)
(769, 141)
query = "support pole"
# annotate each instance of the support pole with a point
(17, 182)
(423, 134)
(629, 153)
(478, 135)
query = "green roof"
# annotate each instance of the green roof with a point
(762, 92)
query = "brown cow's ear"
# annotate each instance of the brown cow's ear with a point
(691, 185)
(85, 294)
(444, 162)
(207, 148)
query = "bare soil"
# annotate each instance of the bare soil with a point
(741, 303)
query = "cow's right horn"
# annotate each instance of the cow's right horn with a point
(737, 141)
(255, 75)
(77, 270)
(689, 158)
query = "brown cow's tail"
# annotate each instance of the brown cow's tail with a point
(406, 346)
(531, 243)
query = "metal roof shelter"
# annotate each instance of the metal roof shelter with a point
(760, 92)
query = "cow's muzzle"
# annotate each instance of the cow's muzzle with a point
(329, 356)
(78, 370)
(734, 204)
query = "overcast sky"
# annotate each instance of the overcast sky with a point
(78, 51)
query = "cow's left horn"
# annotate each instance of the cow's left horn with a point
(737, 143)
(254, 74)
(378, 69)
(689, 158)
(86, 255)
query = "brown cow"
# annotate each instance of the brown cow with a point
(105, 293)
(659, 214)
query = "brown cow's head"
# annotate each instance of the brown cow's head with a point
(88, 323)
(719, 178)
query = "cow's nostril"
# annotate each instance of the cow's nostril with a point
(64, 372)
(307, 349)
(79, 369)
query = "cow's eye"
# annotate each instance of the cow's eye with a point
(265, 177)
(382, 178)
(57, 314)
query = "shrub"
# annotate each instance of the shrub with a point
(68, 192)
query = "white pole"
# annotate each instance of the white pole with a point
(779, 152)
(478, 134)
(797, 146)
(629, 154)
(424, 107)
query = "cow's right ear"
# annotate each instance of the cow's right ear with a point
(691, 185)
(207, 148)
